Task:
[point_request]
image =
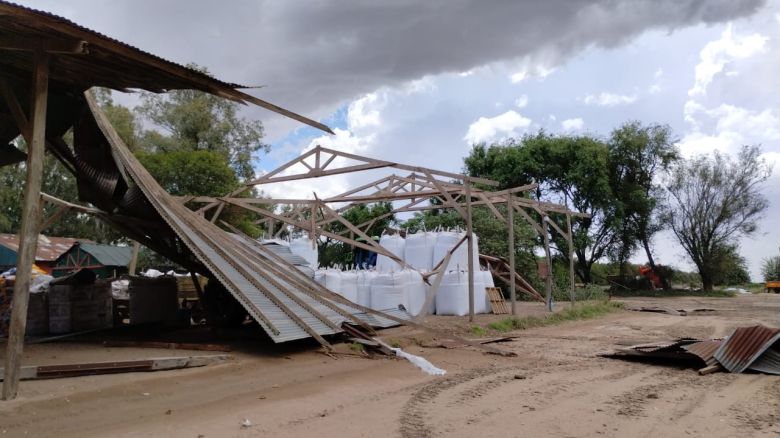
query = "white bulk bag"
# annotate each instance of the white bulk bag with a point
(394, 244)
(333, 280)
(363, 281)
(453, 295)
(418, 252)
(349, 286)
(389, 290)
(302, 246)
(445, 241)
(416, 291)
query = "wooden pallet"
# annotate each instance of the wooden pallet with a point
(497, 303)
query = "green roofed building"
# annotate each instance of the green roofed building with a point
(106, 261)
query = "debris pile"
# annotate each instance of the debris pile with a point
(755, 348)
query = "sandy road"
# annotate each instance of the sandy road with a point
(555, 387)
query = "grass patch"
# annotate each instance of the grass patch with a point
(578, 311)
(478, 330)
(357, 347)
(660, 293)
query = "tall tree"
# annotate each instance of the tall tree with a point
(638, 156)
(714, 200)
(571, 170)
(770, 269)
(197, 121)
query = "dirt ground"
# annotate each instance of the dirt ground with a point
(555, 387)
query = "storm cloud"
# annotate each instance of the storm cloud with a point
(310, 56)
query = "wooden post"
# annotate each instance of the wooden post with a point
(570, 241)
(548, 257)
(31, 217)
(470, 237)
(134, 259)
(511, 238)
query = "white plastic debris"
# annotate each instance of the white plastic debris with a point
(246, 423)
(420, 363)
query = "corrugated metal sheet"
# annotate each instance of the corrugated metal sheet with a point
(705, 350)
(663, 346)
(743, 347)
(108, 255)
(287, 304)
(48, 249)
(769, 362)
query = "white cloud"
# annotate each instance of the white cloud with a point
(363, 113)
(732, 127)
(539, 71)
(609, 99)
(658, 73)
(495, 128)
(717, 54)
(518, 77)
(575, 124)
(654, 89)
(522, 101)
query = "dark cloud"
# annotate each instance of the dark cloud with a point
(315, 54)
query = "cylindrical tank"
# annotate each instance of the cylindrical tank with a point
(394, 244)
(303, 247)
(418, 252)
(389, 290)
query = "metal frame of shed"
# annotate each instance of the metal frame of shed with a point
(415, 189)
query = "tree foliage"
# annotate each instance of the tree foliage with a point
(770, 268)
(571, 170)
(196, 121)
(638, 156)
(712, 201)
(332, 252)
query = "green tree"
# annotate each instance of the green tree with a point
(197, 121)
(332, 252)
(770, 269)
(570, 170)
(638, 155)
(714, 200)
(731, 266)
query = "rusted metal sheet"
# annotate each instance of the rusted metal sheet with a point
(705, 350)
(745, 346)
(48, 248)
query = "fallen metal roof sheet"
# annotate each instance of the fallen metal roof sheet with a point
(286, 303)
(745, 346)
(705, 350)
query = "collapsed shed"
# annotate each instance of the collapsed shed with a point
(48, 63)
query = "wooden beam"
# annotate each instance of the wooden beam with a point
(511, 239)
(72, 47)
(54, 216)
(134, 258)
(570, 242)
(28, 235)
(548, 280)
(470, 259)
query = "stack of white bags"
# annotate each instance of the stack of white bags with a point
(390, 285)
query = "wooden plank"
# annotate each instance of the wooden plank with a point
(511, 240)
(28, 235)
(73, 47)
(166, 345)
(470, 250)
(129, 366)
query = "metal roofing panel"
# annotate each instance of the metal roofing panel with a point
(108, 255)
(48, 248)
(744, 346)
(769, 362)
(705, 350)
